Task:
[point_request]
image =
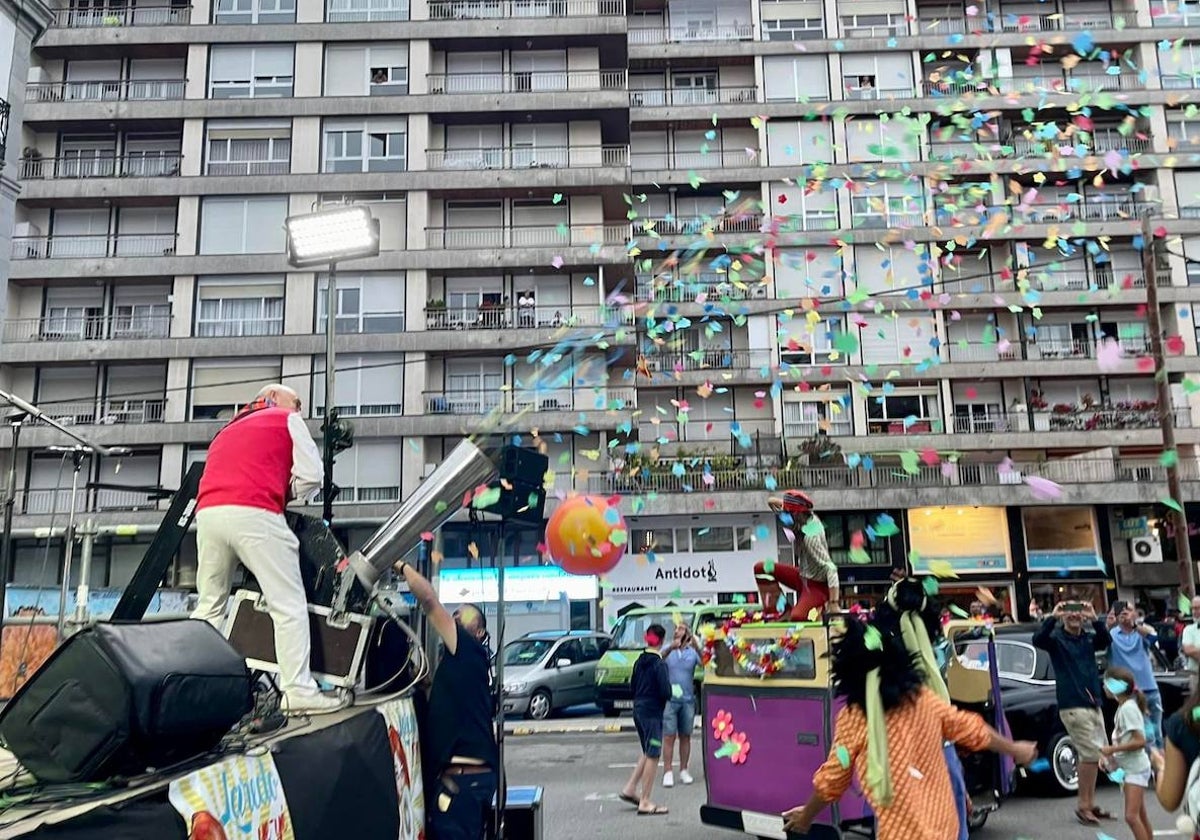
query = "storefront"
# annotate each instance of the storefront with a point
(535, 597)
(1063, 556)
(865, 571)
(973, 544)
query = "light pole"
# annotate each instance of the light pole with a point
(327, 237)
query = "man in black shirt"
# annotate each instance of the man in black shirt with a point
(651, 686)
(1077, 686)
(460, 736)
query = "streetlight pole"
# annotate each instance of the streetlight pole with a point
(327, 451)
(16, 420)
(1166, 412)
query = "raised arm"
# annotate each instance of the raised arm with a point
(1043, 637)
(438, 615)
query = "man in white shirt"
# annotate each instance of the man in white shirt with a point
(1190, 643)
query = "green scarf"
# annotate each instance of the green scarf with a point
(878, 780)
(916, 642)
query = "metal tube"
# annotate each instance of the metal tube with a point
(85, 573)
(331, 307)
(36, 413)
(10, 499)
(69, 550)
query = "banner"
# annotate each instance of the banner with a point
(965, 538)
(400, 716)
(240, 798)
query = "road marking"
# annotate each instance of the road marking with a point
(626, 766)
(600, 797)
(1166, 832)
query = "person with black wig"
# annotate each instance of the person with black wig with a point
(890, 735)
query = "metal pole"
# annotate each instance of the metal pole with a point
(10, 500)
(77, 459)
(501, 778)
(1166, 413)
(85, 574)
(331, 307)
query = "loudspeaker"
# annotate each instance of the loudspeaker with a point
(119, 699)
(320, 556)
(521, 465)
(521, 484)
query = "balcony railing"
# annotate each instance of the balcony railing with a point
(543, 157)
(896, 25)
(115, 90)
(1081, 280)
(532, 81)
(105, 412)
(506, 9)
(709, 359)
(944, 26)
(1109, 208)
(1069, 419)
(807, 220)
(684, 34)
(475, 402)
(117, 16)
(694, 225)
(832, 477)
(1045, 349)
(38, 501)
(524, 317)
(365, 11)
(690, 289)
(239, 327)
(529, 236)
(1055, 22)
(1048, 83)
(678, 97)
(247, 167)
(98, 246)
(713, 159)
(905, 426)
(797, 429)
(88, 328)
(103, 165)
(1105, 140)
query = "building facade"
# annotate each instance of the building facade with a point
(696, 251)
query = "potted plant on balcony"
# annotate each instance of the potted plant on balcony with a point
(31, 162)
(435, 314)
(1039, 406)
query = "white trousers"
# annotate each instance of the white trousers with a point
(266, 546)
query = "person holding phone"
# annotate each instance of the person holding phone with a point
(682, 657)
(1077, 686)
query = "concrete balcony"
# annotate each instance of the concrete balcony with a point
(699, 288)
(527, 82)
(906, 426)
(709, 360)
(102, 165)
(523, 9)
(526, 317)
(528, 236)
(692, 97)
(1101, 209)
(117, 16)
(545, 157)
(803, 222)
(725, 160)
(86, 328)
(1047, 350)
(115, 411)
(684, 34)
(684, 231)
(1070, 419)
(97, 246)
(114, 90)
(535, 397)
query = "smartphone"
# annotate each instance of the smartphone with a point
(1073, 606)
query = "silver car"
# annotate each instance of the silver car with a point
(551, 670)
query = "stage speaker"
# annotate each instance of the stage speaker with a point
(521, 464)
(119, 699)
(522, 814)
(320, 556)
(521, 484)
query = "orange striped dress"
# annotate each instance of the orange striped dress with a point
(923, 803)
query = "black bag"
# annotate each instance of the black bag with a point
(119, 699)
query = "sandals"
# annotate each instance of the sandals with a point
(632, 800)
(1102, 814)
(1085, 818)
(656, 811)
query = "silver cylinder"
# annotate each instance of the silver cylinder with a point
(438, 498)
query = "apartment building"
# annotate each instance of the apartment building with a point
(874, 249)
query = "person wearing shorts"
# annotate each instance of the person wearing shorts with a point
(651, 691)
(682, 658)
(1077, 687)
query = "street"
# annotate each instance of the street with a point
(581, 774)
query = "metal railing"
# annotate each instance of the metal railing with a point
(905, 426)
(678, 97)
(247, 167)
(114, 90)
(238, 327)
(524, 317)
(1083, 280)
(367, 11)
(834, 477)
(542, 157)
(528, 236)
(531, 81)
(709, 359)
(85, 246)
(103, 165)
(1106, 208)
(111, 412)
(508, 9)
(87, 328)
(693, 225)
(1046, 349)
(476, 402)
(1053, 22)
(117, 16)
(643, 36)
(1069, 419)
(690, 289)
(808, 220)
(37, 501)
(713, 159)
(941, 26)
(799, 429)
(896, 26)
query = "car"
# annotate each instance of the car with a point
(1031, 707)
(550, 670)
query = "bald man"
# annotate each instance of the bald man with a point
(264, 458)
(460, 737)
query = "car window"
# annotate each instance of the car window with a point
(1016, 659)
(569, 650)
(589, 649)
(525, 651)
(630, 632)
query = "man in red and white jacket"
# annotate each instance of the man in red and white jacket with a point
(264, 458)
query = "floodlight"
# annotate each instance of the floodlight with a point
(330, 236)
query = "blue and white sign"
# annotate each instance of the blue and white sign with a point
(523, 583)
(1066, 560)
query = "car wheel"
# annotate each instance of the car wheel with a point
(1064, 764)
(976, 820)
(610, 711)
(540, 705)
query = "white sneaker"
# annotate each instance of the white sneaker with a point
(685, 777)
(668, 779)
(312, 704)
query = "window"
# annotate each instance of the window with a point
(254, 11)
(140, 469)
(796, 78)
(694, 88)
(875, 76)
(141, 312)
(248, 147)
(895, 138)
(798, 209)
(657, 541)
(472, 387)
(902, 413)
(361, 70)
(1183, 132)
(829, 416)
(568, 649)
(799, 142)
(68, 394)
(534, 70)
(369, 385)
(712, 539)
(391, 209)
(839, 531)
(888, 204)
(808, 272)
(339, 11)
(242, 72)
(229, 307)
(591, 647)
(220, 387)
(369, 472)
(1180, 66)
(372, 302)
(243, 225)
(805, 343)
(377, 145)
(1015, 658)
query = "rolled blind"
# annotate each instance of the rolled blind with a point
(269, 286)
(230, 384)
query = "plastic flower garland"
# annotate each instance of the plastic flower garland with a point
(760, 658)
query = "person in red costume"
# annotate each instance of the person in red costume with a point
(813, 577)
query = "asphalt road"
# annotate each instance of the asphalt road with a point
(582, 773)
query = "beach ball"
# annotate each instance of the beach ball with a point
(586, 535)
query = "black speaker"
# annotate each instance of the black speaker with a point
(519, 464)
(320, 556)
(118, 699)
(521, 484)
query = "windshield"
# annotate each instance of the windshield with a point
(630, 632)
(526, 651)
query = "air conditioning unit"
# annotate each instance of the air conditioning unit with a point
(759, 291)
(1145, 550)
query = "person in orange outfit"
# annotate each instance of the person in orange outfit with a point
(814, 576)
(890, 735)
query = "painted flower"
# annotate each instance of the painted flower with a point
(722, 725)
(741, 747)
